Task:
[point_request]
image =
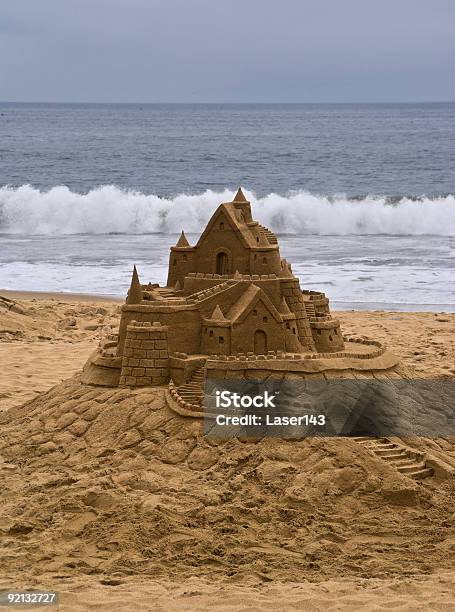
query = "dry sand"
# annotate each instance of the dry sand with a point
(119, 504)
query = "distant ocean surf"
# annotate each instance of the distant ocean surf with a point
(108, 209)
(365, 253)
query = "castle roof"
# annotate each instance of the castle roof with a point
(239, 196)
(247, 301)
(135, 292)
(239, 224)
(182, 241)
(218, 314)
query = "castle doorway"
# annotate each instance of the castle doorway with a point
(260, 342)
(222, 263)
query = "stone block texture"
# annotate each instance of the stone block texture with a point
(145, 359)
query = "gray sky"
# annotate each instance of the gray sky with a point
(227, 51)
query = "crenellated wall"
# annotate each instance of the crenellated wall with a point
(183, 320)
(327, 336)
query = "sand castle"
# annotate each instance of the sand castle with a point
(232, 308)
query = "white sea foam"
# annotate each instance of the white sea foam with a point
(108, 209)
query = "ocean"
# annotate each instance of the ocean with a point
(362, 197)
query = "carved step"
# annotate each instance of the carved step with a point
(411, 467)
(421, 473)
(393, 455)
(407, 462)
(193, 390)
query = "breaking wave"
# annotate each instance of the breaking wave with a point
(108, 209)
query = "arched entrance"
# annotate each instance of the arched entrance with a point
(222, 263)
(260, 342)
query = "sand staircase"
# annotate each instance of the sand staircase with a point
(408, 462)
(193, 390)
(310, 311)
(268, 234)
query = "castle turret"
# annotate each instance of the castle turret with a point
(145, 360)
(135, 291)
(181, 261)
(242, 204)
(216, 333)
(182, 241)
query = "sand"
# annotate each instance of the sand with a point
(120, 504)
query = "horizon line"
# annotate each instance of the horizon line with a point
(229, 103)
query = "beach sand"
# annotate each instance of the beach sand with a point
(123, 530)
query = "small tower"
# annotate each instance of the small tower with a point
(180, 262)
(243, 206)
(135, 291)
(239, 196)
(216, 336)
(182, 241)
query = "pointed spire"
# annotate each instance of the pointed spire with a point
(284, 308)
(218, 314)
(182, 241)
(237, 275)
(239, 196)
(177, 286)
(135, 292)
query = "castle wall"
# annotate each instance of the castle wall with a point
(319, 302)
(216, 339)
(258, 320)
(184, 323)
(267, 261)
(145, 359)
(290, 289)
(228, 241)
(292, 342)
(271, 286)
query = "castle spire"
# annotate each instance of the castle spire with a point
(239, 196)
(135, 292)
(218, 314)
(182, 241)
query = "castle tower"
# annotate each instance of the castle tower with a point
(145, 361)
(181, 261)
(216, 333)
(135, 291)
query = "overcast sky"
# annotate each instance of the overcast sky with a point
(227, 51)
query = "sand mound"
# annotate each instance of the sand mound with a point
(112, 483)
(44, 341)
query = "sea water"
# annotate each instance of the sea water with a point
(361, 196)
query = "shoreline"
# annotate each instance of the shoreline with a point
(64, 296)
